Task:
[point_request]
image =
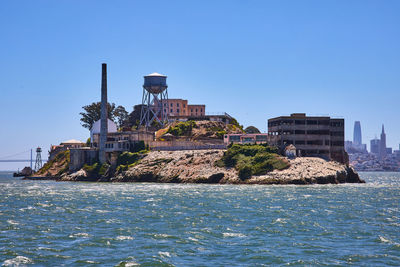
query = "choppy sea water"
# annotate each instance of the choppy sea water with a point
(47, 223)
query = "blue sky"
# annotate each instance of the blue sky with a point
(252, 59)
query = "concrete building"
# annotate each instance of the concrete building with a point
(312, 136)
(111, 128)
(123, 141)
(245, 138)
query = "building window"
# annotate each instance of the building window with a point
(184, 105)
(196, 110)
(327, 142)
(171, 105)
(177, 104)
(299, 122)
(171, 110)
(191, 110)
(201, 110)
(177, 111)
(234, 138)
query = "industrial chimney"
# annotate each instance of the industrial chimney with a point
(103, 115)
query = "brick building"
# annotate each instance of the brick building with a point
(180, 107)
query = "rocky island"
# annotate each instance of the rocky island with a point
(193, 147)
(239, 164)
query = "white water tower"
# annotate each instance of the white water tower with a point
(154, 100)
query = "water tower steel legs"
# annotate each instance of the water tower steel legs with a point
(152, 108)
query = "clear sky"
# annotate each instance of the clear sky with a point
(252, 59)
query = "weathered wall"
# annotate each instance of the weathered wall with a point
(79, 157)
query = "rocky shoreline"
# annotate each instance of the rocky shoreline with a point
(199, 166)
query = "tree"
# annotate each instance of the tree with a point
(91, 114)
(251, 130)
(121, 115)
(134, 116)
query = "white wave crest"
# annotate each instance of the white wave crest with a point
(233, 235)
(12, 222)
(80, 235)
(124, 237)
(17, 261)
(164, 254)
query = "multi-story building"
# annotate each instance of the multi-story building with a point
(180, 107)
(357, 138)
(375, 146)
(312, 136)
(196, 110)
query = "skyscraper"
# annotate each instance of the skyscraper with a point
(382, 146)
(375, 144)
(357, 139)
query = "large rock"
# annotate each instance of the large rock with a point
(193, 166)
(198, 166)
(309, 170)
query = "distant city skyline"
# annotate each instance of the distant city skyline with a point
(357, 137)
(252, 59)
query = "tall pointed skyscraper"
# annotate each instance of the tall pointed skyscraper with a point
(357, 139)
(382, 147)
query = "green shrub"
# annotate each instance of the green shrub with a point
(96, 169)
(220, 134)
(104, 167)
(245, 172)
(182, 128)
(139, 146)
(126, 158)
(61, 156)
(252, 159)
(235, 123)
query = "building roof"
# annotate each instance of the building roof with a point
(155, 74)
(72, 141)
(290, 147)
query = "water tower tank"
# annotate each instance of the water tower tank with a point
(155, 83)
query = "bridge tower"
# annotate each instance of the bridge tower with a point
(38, 163)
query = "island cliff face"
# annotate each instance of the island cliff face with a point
(199, 166)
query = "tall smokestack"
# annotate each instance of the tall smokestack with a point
(103, 114)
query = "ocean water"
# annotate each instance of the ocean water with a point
(47, 223)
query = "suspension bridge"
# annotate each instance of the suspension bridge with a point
(20, 157)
